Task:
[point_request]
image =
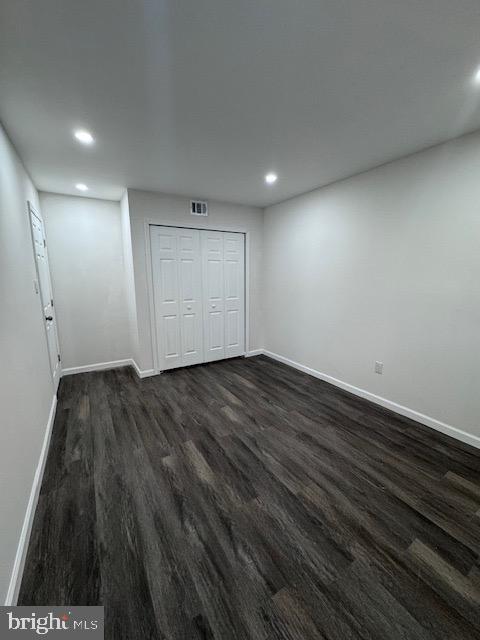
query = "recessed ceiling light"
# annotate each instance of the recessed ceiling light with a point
(85, 137)
(270, 178)
(81, 187)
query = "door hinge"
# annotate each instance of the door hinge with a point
(51, 301)
(44, 242)
(58, 356)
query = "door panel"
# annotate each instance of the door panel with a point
(190, 275)
(176, 268)
(214, 279)
(168, 270)
(216, 330)
(171, 333)
(45, 291)
(234, 268)
(165, 289)
(187, 279)
(189, 341)
(214, 306)
(232, 337)
(231, 284)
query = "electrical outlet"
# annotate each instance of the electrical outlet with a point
(378, 367)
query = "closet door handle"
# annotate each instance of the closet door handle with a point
(189, 307)
(214, 306)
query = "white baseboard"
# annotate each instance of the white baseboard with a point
(20, 556)
(98, 366)
(142, 373)
(254, 352)
(448, 429)
(102, 366)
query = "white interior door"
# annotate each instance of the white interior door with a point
(214, 295)
(177, 285)
(234, 291)
(45, 291)
(223, 258)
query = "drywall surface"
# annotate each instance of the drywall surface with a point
(385, 266)
(149, 207)
(129, 276)
(85, 247)
(26, 388)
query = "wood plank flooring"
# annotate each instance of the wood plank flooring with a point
(245, 500)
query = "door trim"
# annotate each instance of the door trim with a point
(149, 268)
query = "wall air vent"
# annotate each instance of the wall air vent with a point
(198, 208)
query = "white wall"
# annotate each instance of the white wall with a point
(163, 209)
(26, 389)
(85, 247)
(129, 276)
(385, 266)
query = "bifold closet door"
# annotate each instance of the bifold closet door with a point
(177, 287)
(199, 295)
(234, 278)
(223, 258)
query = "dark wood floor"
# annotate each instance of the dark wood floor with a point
(243, 499)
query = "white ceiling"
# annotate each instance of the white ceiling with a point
(203, 97)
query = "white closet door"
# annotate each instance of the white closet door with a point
(223, 256)
(214, 297)
(176, 260)
(234, 278)
(190, 280)
(199, 295)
